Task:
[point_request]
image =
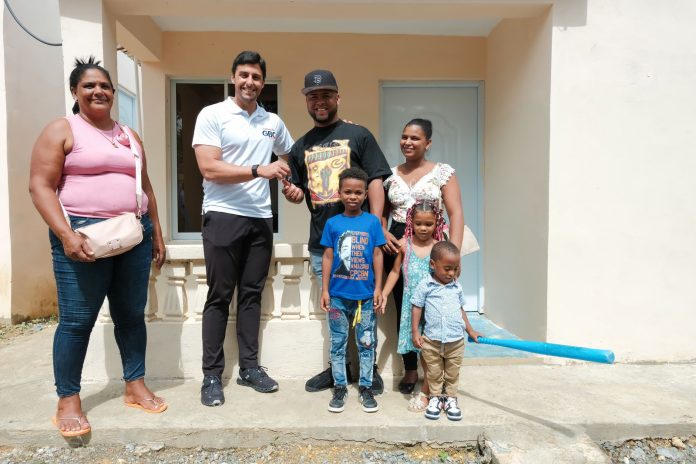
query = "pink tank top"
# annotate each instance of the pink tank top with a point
(98, 180)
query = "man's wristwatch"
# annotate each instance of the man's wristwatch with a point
(255, 171)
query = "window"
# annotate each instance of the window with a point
(188, 98)
(127, 114)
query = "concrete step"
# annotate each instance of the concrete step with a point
(530, 412)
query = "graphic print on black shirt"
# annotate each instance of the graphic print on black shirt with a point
(330, 150)
(324, 164)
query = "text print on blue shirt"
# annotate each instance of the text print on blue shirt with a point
(352, 245)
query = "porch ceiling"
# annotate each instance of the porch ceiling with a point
(423, 17)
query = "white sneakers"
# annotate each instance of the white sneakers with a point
(448, 403)
(433, 410)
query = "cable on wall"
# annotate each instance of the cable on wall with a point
(9, 8)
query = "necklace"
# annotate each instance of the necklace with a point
(112, 139)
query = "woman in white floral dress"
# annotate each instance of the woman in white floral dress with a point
(418, 178)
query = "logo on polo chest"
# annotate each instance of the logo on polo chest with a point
(270, 133)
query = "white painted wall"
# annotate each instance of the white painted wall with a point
(5, 243)
(88, 28)
(516, 174)
(33, 97)
(126, 72)
(622, 215)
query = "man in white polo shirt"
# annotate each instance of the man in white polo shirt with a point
(233, 141)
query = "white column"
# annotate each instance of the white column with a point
(197, 269)
(269, 308)
(104, 313)
(291, 303)
(315, 311)
(152, 300)
(175, 298)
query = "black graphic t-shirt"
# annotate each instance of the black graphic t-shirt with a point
(320, 156)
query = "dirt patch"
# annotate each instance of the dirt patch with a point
(12, 332)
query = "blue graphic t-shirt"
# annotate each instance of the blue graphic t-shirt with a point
(353, 240)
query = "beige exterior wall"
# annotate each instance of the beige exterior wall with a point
(359, 62)
(5, 243)
(33, 97)
(588, 182)
(516, 164)
(622, 215)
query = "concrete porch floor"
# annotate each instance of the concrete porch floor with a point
(531, 412)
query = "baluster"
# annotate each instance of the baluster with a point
(268, 306)
(291, 303)
(104, 313)
(175, 298)
(152, 301)
(232, 319)
(315, 311)
(197, 269)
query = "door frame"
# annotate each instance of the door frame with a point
(480, 88)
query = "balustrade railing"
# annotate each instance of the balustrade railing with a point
(177, 292)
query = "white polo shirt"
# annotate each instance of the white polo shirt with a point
(245, 140)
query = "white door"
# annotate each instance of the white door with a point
(455, 111)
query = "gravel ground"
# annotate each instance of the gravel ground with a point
(294, 453)
(680, 450)
(9, 332)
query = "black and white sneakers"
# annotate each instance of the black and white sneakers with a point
(433, 410)
(446, 403)
(338, 401)
(211, 391)
(452, 408)
(367, 399)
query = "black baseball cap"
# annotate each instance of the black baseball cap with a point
(319, 79)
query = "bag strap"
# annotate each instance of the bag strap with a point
(137, 159)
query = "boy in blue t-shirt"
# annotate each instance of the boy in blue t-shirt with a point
(351, 285)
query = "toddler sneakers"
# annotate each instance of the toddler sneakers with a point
(338, 402)
(432, 412)
(452, 409)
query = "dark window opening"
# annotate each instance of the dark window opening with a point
(190, 100)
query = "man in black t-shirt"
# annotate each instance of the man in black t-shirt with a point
(316, 160)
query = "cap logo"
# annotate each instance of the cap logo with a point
(317, 79)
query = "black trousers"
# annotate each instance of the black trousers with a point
(398, 229)
(237, 252)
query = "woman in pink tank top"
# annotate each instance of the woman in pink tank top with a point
(85, 163)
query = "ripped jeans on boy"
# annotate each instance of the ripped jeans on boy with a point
(342, 314)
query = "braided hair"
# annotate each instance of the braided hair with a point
(422, 206)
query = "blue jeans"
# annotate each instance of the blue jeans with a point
(340, 319)
(315, 263)
(82, 287)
